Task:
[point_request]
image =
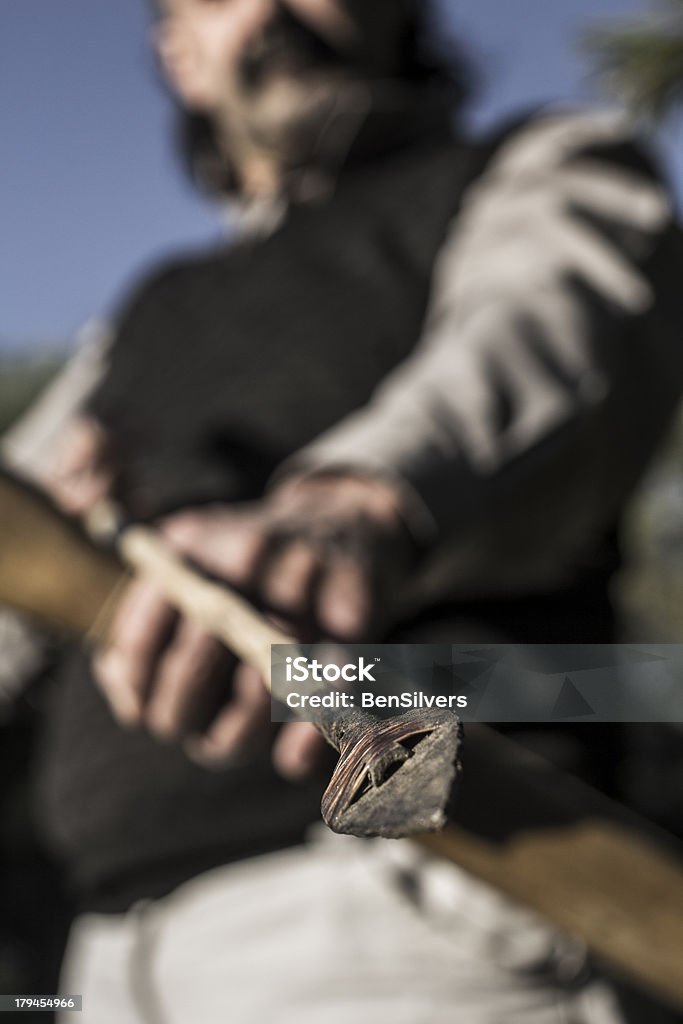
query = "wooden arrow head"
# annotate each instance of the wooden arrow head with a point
(395, 777)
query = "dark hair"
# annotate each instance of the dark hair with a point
(446, 79)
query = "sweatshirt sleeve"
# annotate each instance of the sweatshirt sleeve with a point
(528, 352)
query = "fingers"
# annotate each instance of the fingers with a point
(125, 669)
(243, 726)
(156, 670)
(181, 678)
(275, 561)
(287, 578)
(345, 599)
(155, 682)
(318, 553)
(81, 475)
(225, 542)
(298, 751)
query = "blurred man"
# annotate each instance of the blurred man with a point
(415, 396)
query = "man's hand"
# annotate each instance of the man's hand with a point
(83, 472)
(323, 554)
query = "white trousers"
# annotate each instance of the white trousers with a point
(342, 930)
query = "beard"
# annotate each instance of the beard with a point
(288, 46)
(294, 120)
(292, 84)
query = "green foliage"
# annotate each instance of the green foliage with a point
(643, 63)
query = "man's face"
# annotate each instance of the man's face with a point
(267, 61)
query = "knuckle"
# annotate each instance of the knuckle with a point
(246, 555)
(191, 658)
(141, 622)
(109, 670)
(111, 681)
(183, 530)
(135, 643)
(162, 725)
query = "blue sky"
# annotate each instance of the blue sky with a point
(90, 193)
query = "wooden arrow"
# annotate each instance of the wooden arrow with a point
(535, 833)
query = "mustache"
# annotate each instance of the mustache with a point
(289, 43)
